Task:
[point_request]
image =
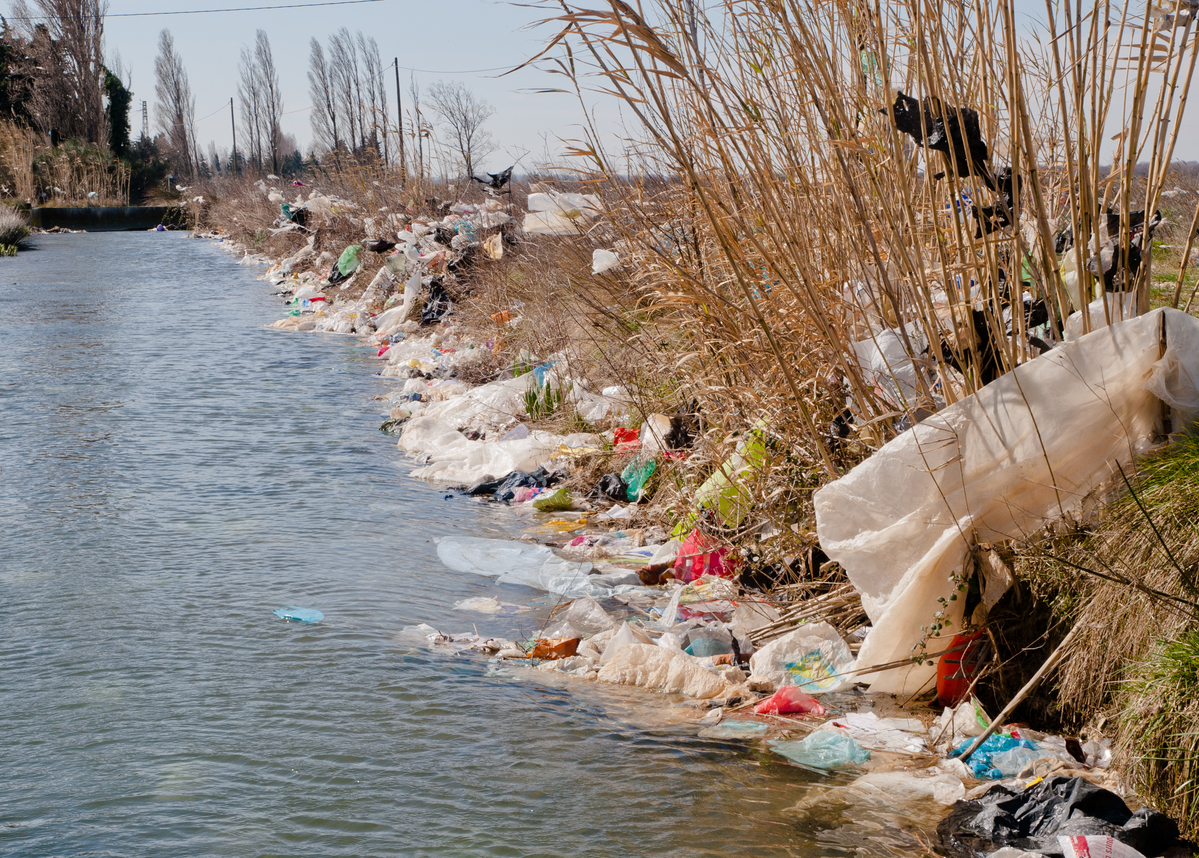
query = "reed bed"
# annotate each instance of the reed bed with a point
(797, 220)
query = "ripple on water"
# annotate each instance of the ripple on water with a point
(170, 473)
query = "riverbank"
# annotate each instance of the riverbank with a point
(459, 406)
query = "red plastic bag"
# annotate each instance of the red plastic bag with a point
(624, 439)
(790, 700)
(700, 556)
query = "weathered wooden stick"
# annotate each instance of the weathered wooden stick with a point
(1049, 664)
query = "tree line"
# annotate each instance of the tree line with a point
(53, 78)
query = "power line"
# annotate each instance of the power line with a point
(202, 11)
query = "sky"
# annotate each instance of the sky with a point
(442, 39)
(471, 41)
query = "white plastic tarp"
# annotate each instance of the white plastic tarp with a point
(1023, 451)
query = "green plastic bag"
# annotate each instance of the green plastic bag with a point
(554, 502)
(725, 490)
(347, 264)
(636, 474)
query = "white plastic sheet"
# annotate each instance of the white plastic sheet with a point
(1023, 451)
(665, 670)
(459, 461)
(811, 657)
(535, 566)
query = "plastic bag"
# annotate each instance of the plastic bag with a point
(965, 719)
(533, 566)
(612, 487)
(724, 492)
(346, 264)
(699, 556)
(583, 616)
(790, 700)
(1081, 846)
(665, 670)
(734, 729)
(555, 501)
(1039, 817)
(549, 648)
(981, 761)
(709, 640)
(811, 657)
(822, 750)
(603, 260)
(627, 634)
(636, 474)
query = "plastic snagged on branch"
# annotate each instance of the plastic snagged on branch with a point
(583, 616)
(1018, 454)
(635, 475)
(981, 762)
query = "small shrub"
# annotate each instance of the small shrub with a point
(14, 230)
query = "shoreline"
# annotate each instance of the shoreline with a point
(481, 448)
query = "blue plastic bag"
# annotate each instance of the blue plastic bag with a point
(822, 749)
(980, 761)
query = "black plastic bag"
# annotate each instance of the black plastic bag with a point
(438, 306)
(1034, 818)
(612, 487)
(503, 490)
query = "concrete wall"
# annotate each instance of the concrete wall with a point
(107, 218)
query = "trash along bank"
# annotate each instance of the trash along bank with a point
(857, 376)
(832, 669)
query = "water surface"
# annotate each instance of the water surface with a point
(172, 472)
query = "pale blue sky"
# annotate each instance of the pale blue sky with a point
(440, 37)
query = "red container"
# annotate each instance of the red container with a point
(958, 667)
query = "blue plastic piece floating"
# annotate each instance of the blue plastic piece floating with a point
(299, 615)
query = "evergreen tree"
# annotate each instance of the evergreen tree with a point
(117, 113)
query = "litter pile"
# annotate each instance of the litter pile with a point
(664, 611)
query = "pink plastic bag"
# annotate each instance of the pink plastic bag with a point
(790, 700)
(700, 556)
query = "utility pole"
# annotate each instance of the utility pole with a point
(233, 125)
(420, 131)
(400, 121)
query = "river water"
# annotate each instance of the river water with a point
(172, 472)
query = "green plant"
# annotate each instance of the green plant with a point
(1160, 723)
(542, 400)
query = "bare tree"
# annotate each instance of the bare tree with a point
(463, 116)
(271, 98)
(175, 107)
(69, 36)
(324, 108)
(249, 92)
(343, 61)
(376, 93)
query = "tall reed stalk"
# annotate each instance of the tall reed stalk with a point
(801, 221)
